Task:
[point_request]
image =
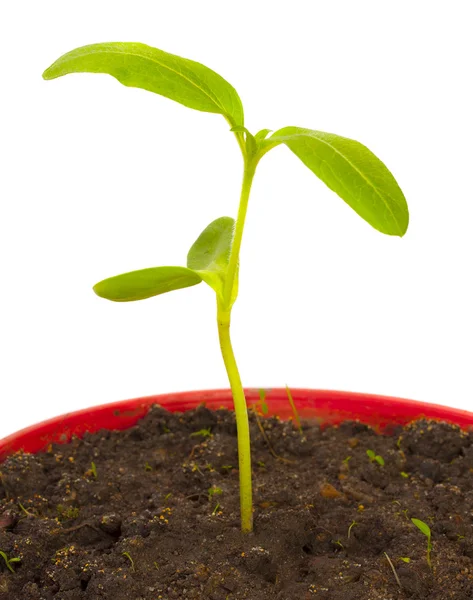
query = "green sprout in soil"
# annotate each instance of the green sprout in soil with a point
(214, 491)
(294, 410)
(27, 512)
(202, 433)
(67, 513)
(375, 457)
(93, 469)
(214, 512)
(405, 559)
(127, 554)
(347, 167)
(262, 402)
(353, 524)
(9, 561)
(405, 475)
(148, 467)
(426, 531)
(396, 577)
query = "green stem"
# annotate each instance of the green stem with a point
(241, 414)
(248, 174)
(224, 308)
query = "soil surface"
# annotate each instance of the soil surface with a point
(153, 513)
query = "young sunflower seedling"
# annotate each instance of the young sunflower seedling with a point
(202, 433)
(396, 576)
(9, 561)
(294, 411)
(347, 167)
(375, 457)
(214, 491)
(127, 555)
(426, 531)
(353, 524)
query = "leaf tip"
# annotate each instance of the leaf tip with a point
(47, 74)
(97, 289)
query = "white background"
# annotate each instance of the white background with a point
(99, 179)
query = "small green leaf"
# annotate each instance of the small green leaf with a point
(353, 172)
(138, 65)
(211, 250)
(210, 253)
(371, 454)
(405, 559)
(422, 526)
(261, 135)
(138, 285)
(263, 403)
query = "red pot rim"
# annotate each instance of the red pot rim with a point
(325, 406)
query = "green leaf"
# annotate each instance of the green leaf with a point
(138, 285)
(261, 135)
(138, 65)
(353, 172)
(422, 526)
(210, 253)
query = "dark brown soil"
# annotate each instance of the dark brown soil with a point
(153, 513)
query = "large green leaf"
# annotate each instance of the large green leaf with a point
(353, 172)
(141, 66)
(210, 253)
(138, 285)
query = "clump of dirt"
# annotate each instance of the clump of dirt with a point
(153, 513)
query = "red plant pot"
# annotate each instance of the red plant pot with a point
(326, 407)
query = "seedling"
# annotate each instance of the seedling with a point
(405, 559)
(405, 475)
(426, 531)
(127, 554)
(353, 524)
(294, 410)
(396, 577)
(93, 469)
(9, 561)
(214, 491)
(347, 167)
(27, 512)
(202, 432)
(375, 457)
(217, 506)
(262, 402)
